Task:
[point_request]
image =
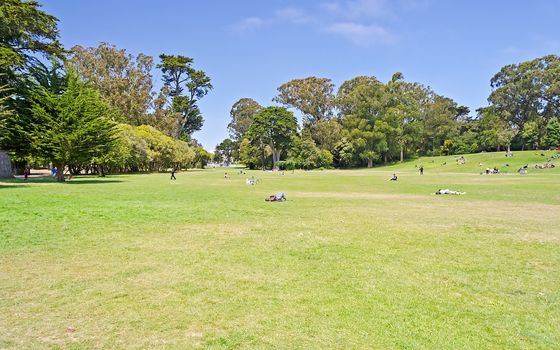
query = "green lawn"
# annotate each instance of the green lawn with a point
(351, 260)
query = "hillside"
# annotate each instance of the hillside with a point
(476, 163)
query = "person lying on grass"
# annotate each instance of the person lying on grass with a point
(448, 191)
(278, 197)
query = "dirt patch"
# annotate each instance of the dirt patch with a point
(353, 195)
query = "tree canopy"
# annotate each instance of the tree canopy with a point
(178, 75)
(273, 127)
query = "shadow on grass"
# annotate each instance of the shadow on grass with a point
(11, 183)
(82, 181)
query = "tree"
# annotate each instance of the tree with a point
(404, 105)
(305, 154)
(225, 150)
(531, 134)
(250, 155)
(552, 137)
(529, 91)
(494, 129)
(439, 122)
(326, 133)
(273, 126)
(312, 96)
(361, 102)
(25, 31)
(178, 74)
(5, 113)
(123, 81)
(242, 113)
(69, 128)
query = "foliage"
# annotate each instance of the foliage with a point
(552, 138)
(123, 81)
(252, 156)
(162, 151)
(241, 114)
(494, 132)
(69, 128)
(179, 74)
(201, 157)
(225, 150)
(25, 31)
(272, 126)
(304, 154)
(528, 91)
(312, 96)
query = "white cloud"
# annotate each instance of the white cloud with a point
(357, 8)
(249, 23)
(367, 8)
(331, 7)
(293, 15)
(289, 14)
(361, 34)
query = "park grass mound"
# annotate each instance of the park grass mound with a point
(350, 260)
(477, 163)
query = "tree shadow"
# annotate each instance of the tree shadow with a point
(12, 183)
(90, 181)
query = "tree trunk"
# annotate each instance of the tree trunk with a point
(369, 163)
(402, 153)
(385, 158)
(275, 158)
(60, 172)
(5, 165)
(509, 149)
(498, 148)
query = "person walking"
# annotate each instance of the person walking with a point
(421, 170)
(173, 174)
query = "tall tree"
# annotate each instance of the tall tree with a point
(25, 31)
(528, 91)
(124, 82)
(241, 114)
(312, 96)
(225, 150)
(273, 126)
(552, 137)
(404, 104)
(440, 122)
(69, 128)
(495, 132)
(361, 102)
(179, 74)
(5, 113)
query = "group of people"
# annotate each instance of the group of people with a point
(492, 171)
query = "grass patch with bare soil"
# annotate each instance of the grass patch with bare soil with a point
(351, 260)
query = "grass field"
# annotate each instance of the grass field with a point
(351, 260)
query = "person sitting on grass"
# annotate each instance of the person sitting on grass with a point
(278, 197)
(394, 178)
(448, 191)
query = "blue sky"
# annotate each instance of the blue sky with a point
(250, 47)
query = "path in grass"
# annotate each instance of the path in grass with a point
(351, 260)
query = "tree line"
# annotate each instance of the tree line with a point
(369, 122)
(92, 109)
